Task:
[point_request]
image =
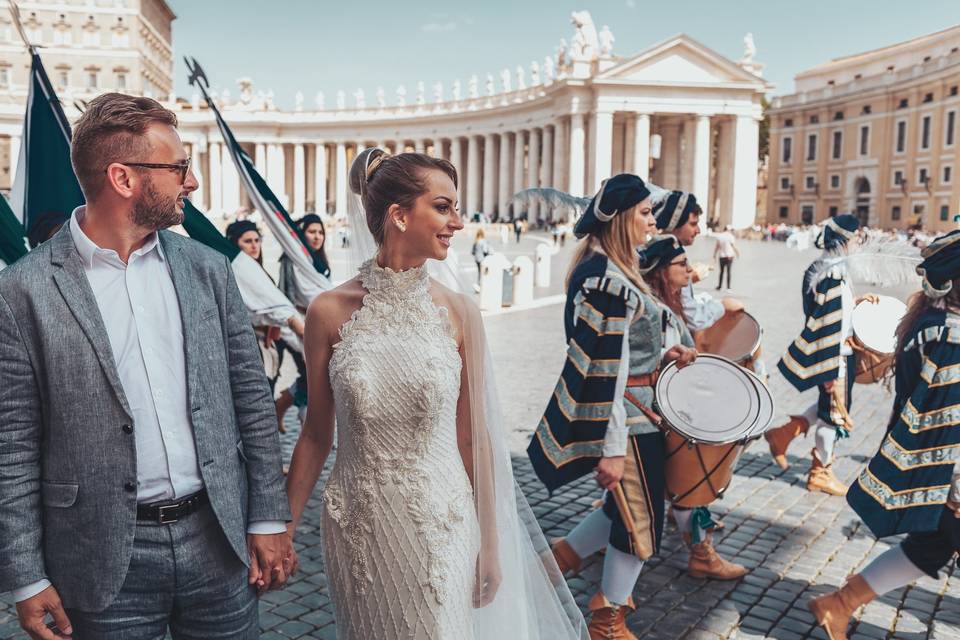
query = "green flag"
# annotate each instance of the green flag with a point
(202, 230)
(12, 247)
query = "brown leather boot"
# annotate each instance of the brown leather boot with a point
(607, 620)
(705, 562)
(779, 439)
(834, 610)
(821, 478)
(567, 559)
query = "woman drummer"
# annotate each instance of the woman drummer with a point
(911, 485)
(822, 357)
(665, 268)
(599, 418)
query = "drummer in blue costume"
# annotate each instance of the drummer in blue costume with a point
(911, 486)
(679, 215)
(822, 357)
(613, 335)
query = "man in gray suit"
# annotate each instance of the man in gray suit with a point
(140, 473)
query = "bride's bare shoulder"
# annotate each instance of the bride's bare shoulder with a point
(334, 307)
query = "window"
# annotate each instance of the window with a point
(4, 77)
(811, 147)
(901, 136)
(121, 81)
(92, 80)
(806, 214)
(787, 150)
(833, 212)
(866, 110)
(947, 174)
(809, 182)
(928, 98)
(895, 213)
(864, 140)
(784, 212)
(814, 119)
(788, 122)
(919, 210)
(950, 128)
(897, 178)
(944, 212)
(784, 184)
(838, 115)
(904, 103)
(953, 90)
(91, 38)
(925, 132)
(922, 175)
(837, 151)
(835, 181)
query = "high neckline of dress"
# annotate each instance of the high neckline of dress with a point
(376, 278)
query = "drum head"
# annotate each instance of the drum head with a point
(875, 325)
(712, 400)
(767, 408)
(735, 336)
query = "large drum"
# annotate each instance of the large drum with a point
(874, 337)
(711, 409)
(735, 336)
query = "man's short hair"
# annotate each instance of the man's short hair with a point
(113, 129)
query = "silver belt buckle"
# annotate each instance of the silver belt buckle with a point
(164, 519)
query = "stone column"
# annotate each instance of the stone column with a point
(546, 159)
(473, 175)
(504, 177)
(341, 179)
(746, 141)
(533, 171)
(701, 165)
(260, 159)
(518, 155)
(216, 179)
(299, 179)
(456, 159)
(602, 147)
(559, 155)
(641, 146)
(577, 153)
(14, 158)
(320, 178)
(489, 174)
(419, 146)
(231, 185)
(277, 172)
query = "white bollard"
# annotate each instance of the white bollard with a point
(543, 265)
(491, 281)
(522, 281)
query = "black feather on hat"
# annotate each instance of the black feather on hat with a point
(617, 194)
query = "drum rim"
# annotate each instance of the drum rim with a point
(740, 436)
(765, 393)
(753, 349)
(853, 327)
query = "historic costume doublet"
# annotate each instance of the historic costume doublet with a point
(821, 353)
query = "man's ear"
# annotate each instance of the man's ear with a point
(121, 179)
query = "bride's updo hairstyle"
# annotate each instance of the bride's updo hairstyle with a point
(381, 179)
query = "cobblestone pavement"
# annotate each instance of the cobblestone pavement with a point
(796, 544)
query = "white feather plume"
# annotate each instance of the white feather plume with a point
(879, 261)
(551, 198)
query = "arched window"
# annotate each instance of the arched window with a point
(862, 188)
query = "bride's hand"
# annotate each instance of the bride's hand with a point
(488, 579)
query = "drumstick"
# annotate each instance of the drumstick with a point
(624, 509)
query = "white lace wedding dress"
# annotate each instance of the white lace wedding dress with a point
(400, 531)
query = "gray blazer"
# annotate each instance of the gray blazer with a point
(67, 508)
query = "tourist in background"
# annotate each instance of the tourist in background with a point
(725, 252)
(481, 249)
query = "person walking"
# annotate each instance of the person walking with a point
(725, 251)
(480, 250)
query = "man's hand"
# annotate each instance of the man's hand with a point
(272, 560)
(955, 507)
(829, 385)
(872, 298)
(295, 322)
(683, 355)
(609, 471)
(32, 613)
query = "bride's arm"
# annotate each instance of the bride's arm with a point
(316, 437)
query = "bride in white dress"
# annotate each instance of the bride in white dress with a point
(425, 535)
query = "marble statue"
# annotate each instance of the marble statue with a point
(298, 101)
(246, 91)
(585, 41)
(606, 42)
(341, 100)
(749, 48)
(562, 49)
(549, 73)
(381, 98)
(505, 81)
(320, 100)
(421, 89)
(438, 92)
(360, 99)
(401, 96)
(473, 87)
(534, 73)
(521, 82)
(491, 90)
(268, 102)
(457, 92)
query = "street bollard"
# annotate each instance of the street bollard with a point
(491, 281)
(543, 265)
(522, 281)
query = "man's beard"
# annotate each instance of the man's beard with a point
(155, 211)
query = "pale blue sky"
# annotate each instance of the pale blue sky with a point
(325, 45)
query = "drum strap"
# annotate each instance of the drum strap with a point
(645, 380)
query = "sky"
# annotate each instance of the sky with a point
(324, 45)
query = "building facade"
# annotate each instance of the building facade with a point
(873, 134)
(677, 113)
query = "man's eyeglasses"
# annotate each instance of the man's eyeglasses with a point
(183, 167)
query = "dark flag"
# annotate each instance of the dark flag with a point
(46, 190)
(12, 247)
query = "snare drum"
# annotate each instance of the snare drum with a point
(874, 337)
(711, 409)
(735, 336)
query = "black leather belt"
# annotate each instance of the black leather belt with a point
(170, 512)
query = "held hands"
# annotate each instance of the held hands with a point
(272, 560)
(32, 613)
(954, 507)
(681, 354)
(488, 577)
(872, 298)
(609, 471)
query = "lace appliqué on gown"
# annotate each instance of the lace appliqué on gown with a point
(399, 526)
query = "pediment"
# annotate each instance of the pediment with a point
(681, 60)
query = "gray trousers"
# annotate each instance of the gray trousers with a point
(183, 576)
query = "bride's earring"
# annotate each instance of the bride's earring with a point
(400, 225)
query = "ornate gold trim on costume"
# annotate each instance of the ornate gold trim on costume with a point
(890, 499)
(905, 459)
